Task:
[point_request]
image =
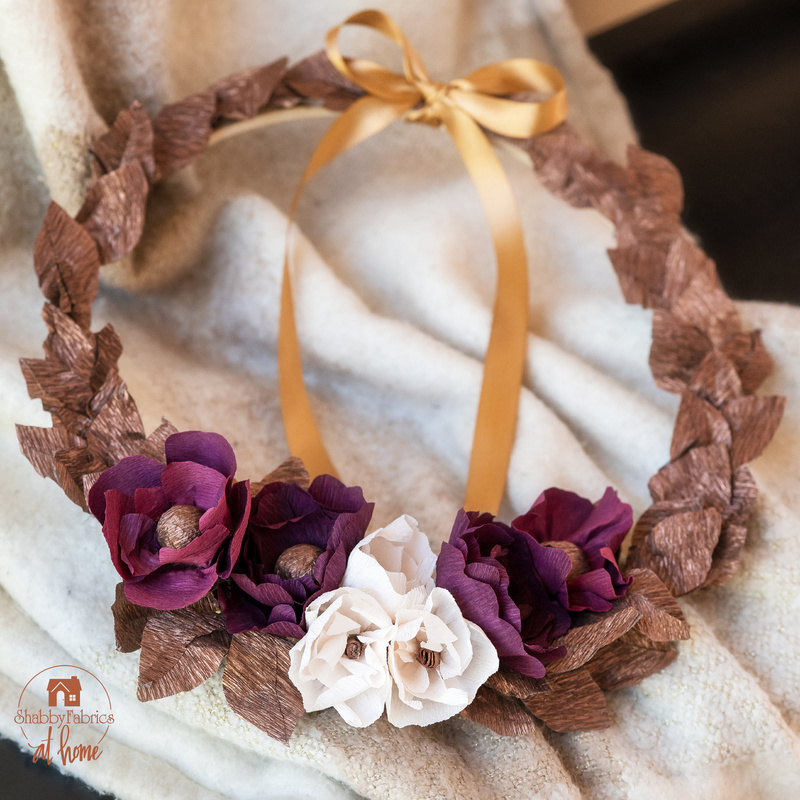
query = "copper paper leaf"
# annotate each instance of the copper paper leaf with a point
(315, 77)
(726, 556)
(743, 497)
(515, 684)
(241, 95)
(108, 349)
(680, 549)
(658, 511)
(659, 178)
(704, 472)
(575, 703)
(290, 471)
(55, 386)
(180, 650)
(39, 446)
(704, 305)
(181, 132)
(67, 264)
(591, 631)
(129, 621)
(129, 139)
(113, 212)
(624, 664)
(71, 467)
(117, 431)
(257, 686)
(716, 379)
(750, 358)
(676, 352)
(153, 446)
(685, 260)
(504, 715)
(662, 619)
(68, 343)
(753, 422)
(640, 271)
(698, 424)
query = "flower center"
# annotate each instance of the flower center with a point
(579, 562)
(354, 647)
(178, 526)
(298, 560)
(428, 658)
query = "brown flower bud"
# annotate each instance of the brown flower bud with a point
(354, 647)
(178, 526)
(428, 658)
(576, 555)
(298, 560)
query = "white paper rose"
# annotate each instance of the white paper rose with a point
(391, 562)
(342, 661)
(437, 660)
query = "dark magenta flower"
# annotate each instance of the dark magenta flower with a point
(511, 586)
(297, 546)
(173, 529)
(592, 534)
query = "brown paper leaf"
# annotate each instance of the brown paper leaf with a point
(685, 260)
(113, 211)
(68, 343)
(591, 631)
(117, 431)
(39, 446)
(129, 139)
(704, 305)
(651, 517)
(67, 264)
(509, 681)
(676, 352)
(704, 472)
(659, 179)
(181, 132)
(108, 349)
(129, 621)
(153, 446)
(640, 271)
(750, 358)
(71, 467)
(56, 386)
(726, 555)
(661, 617)
(743, 497)
(575, 703)
(698, 424)
(315, 77)
(680, 548)
(753, 422)
(716, 379)
(257, 686)
(503, 715)
(624, 664)
(241, 95)
(290, 471)
(180, 650)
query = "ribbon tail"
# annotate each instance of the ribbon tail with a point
(505, 355)
(366, 117)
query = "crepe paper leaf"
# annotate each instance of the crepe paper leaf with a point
(257, 686)
(68, 343)
(753, 422)
(684, 262)
(726, 555)
(180, 650)
(108, 350)
(743, 497)
(703, 472)
(290, 471)
(680, 549)
(129, 139)
(181, 132)
(705, 305)
(750, 358)
(651, 517)
(241, 95)
(39, 446)
(659, 178)
(698, 424)
(623, 664)
(56, 386)
(503, 715)
(661, 617)
(129, 621)
(67, 264)
(716, 379)
(590, 632)
(575, 703)
(315, 77)
(640, 271)
(153, 446)
(113, 211)
(676, 352)
(612, 198)
(117, 431)
(71, 466)
(515, 684)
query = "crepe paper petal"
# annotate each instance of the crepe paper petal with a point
(150, 501)
(189, 484)
(209, 449)
(502, 714)
(135, 472)
(574, 703)
(200, 552)
(333, 494)
(168, 590)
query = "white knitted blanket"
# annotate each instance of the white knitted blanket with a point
(393, 300)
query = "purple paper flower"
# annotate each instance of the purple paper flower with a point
(297, 546)
(173, 529)
(591, 534)
(511, 586)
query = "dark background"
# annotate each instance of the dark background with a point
(714, 85)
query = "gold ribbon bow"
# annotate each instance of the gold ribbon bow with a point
(463, 107)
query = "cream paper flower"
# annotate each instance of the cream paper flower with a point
(391, 562)
(437, 659)
(341, 661)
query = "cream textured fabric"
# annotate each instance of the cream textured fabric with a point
(394, 302)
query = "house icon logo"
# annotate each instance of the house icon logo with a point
(69, 688)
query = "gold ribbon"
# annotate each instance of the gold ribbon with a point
(463, 107)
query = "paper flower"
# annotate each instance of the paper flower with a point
(296, 549)
(509, 585)
(437, 660)
(392, 561)
(173, 529)
(341, 662)
(591, 534)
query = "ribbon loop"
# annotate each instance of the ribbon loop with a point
(484, 99)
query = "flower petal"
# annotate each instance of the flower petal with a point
(209, 449)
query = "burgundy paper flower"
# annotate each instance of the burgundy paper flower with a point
(591, 534)
(173, 529)
(511, 586)
(297, 546)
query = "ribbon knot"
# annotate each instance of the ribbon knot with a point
(465, 106)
